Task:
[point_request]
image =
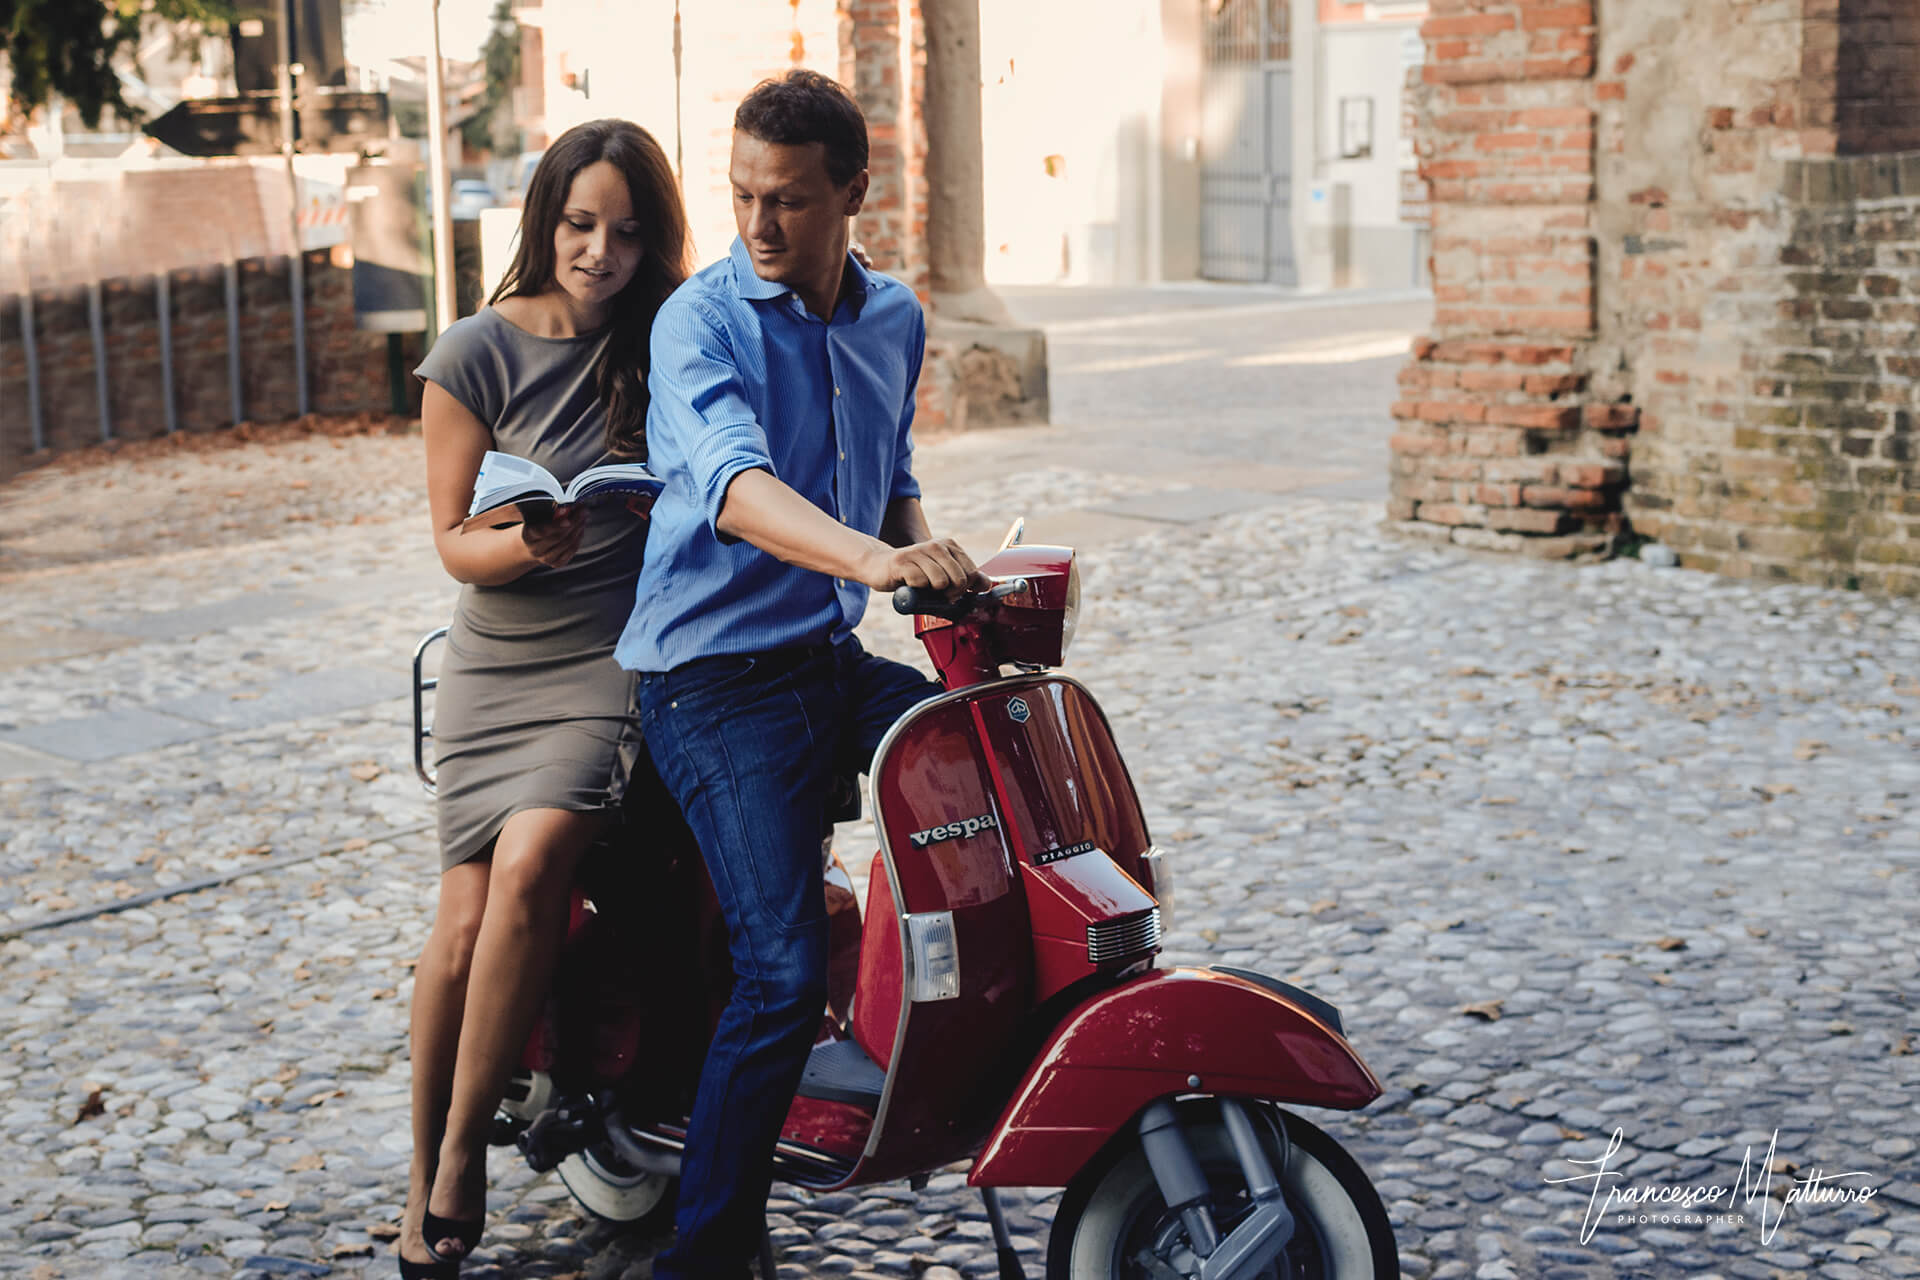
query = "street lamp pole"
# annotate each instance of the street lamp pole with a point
(296, 263)
(443, 303)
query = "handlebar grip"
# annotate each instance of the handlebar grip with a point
(911, 600)
(925, 600)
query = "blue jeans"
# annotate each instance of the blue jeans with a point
(748, 745)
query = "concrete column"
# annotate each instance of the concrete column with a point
(956, 174)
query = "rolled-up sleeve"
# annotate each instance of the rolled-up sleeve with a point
(903, 485)
(700, 408)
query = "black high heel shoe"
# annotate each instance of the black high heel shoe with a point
(440, 1269)
(437, 1231)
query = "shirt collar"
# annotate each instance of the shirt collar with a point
(749, 285)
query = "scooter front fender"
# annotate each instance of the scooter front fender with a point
(1167, 1032)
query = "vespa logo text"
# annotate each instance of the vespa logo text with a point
(954, 830)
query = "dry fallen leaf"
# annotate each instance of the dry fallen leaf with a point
(1501, 800)
(366, 771)
(355, 844)
(384, 1231)
(1485, 1010)
(1572, 1135)
(307, 1163)
(1758, 930)
(278, 1206)
(1670, 944)
(1903, 1047)
(353, 1251)
(385, 993)
(1322, 906)
(95, 1105)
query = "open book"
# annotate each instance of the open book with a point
(510, 490)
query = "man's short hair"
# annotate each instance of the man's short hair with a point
(804, 106)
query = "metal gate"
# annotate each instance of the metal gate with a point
(1246, 143)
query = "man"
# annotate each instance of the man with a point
(783, 384)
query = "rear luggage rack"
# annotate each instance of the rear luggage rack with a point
(422, 727)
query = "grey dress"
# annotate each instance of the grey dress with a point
(532, 712)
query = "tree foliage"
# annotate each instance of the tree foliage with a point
(68, 47)
(490, 128)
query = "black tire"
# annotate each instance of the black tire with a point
(609, 1190)
(1114, 1210)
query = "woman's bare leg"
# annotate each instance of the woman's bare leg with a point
(513, 958)
(439, 999)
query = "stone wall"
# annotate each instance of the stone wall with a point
(346, 368)
(1734, 378)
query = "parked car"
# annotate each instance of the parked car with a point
(470, 196)
(521, 174)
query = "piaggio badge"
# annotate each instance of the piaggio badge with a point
(953, 830)
(1018, 709)
(1063, 853)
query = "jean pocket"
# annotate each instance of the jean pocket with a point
(707, 678)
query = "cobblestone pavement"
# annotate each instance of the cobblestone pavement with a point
(1577, 850)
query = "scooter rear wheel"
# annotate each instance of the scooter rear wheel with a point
(1114, 1225)
(609, 1190)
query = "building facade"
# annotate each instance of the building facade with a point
(1676, 261)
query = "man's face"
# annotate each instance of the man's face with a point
(789, 213)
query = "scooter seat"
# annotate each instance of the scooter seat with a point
(841, 1071)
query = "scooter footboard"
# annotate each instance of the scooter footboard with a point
(1167, 1032)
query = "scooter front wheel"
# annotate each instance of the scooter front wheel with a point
(609, 1190)
(1114, 1225)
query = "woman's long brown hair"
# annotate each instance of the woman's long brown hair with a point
(622, 370)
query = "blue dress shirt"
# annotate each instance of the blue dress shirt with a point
(743, 376)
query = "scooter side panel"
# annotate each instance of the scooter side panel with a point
(1153, 1037)
(945, 850)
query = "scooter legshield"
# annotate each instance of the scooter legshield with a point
(1166, 1032)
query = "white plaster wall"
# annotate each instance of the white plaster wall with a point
(1366, 60)
(1080, 80)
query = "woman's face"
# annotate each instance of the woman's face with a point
(596, 243)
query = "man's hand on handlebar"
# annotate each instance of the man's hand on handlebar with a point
(939, 565)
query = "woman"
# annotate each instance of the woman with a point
(532, 719)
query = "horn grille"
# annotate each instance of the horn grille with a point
(1124, 937)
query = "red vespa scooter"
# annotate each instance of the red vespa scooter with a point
(1000, 1005)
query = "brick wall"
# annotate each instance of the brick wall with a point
(143, 221)
(1795, 459)
(346, 368)
(1861, 64)
(1503, 443)
(1735, 378)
